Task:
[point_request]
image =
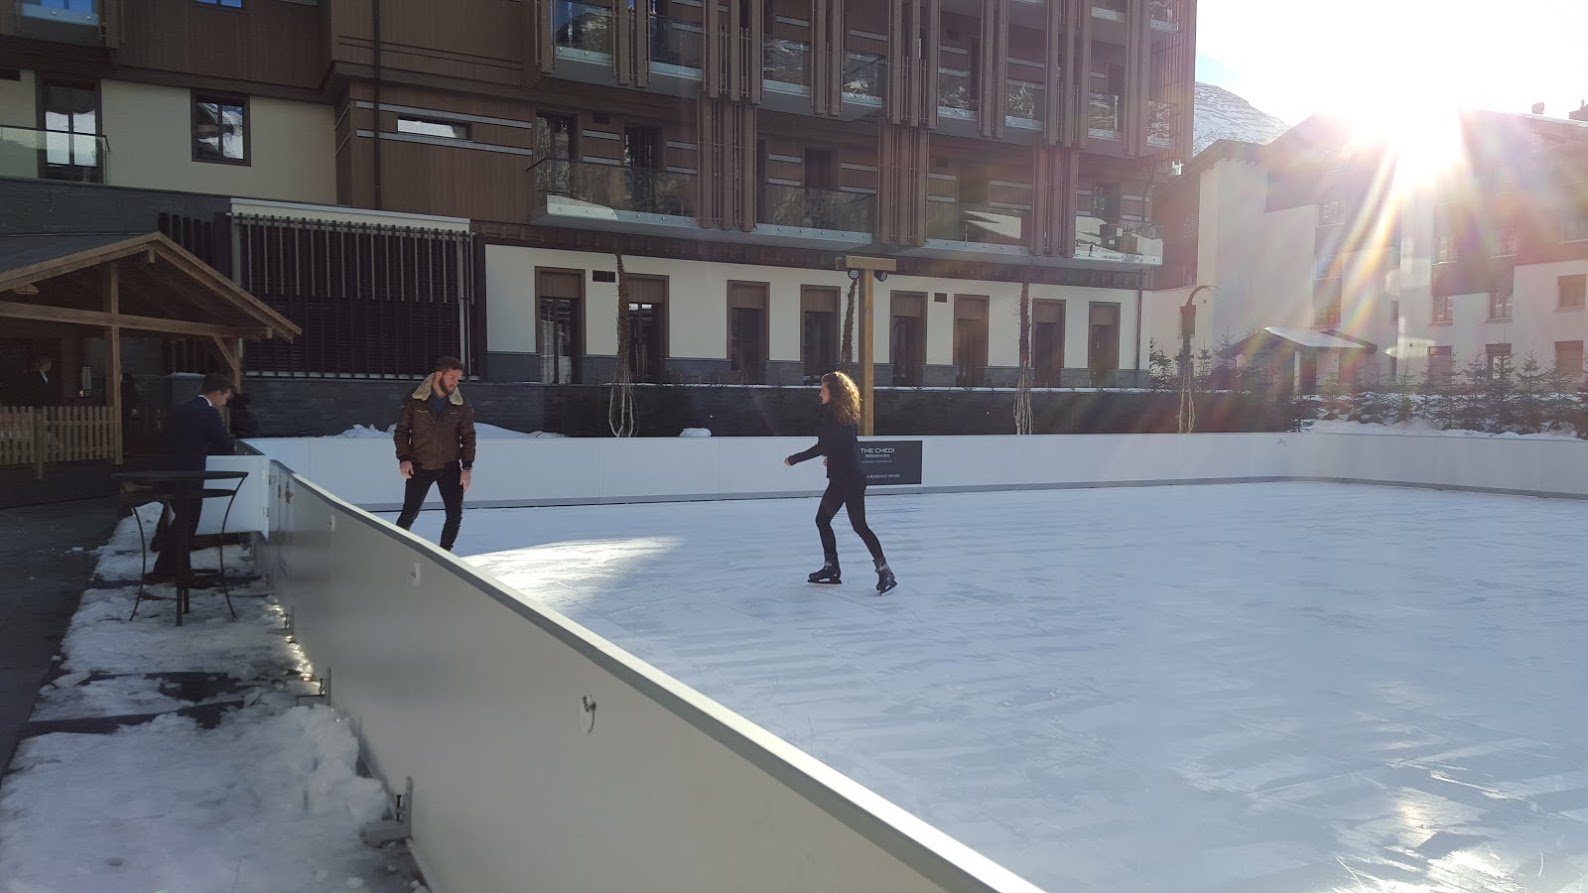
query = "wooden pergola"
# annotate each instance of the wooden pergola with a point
(65, 282)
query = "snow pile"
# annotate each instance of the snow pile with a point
(267, 799)
(1419, 426)
(695, 432)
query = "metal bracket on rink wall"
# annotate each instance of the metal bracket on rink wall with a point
(396, 829)
(324, 694)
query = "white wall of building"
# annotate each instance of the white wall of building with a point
(697, 313)
(291, 145)
(19, 155)
(18, 102)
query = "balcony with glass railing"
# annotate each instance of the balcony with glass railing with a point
(1023, 102)
(1105, 239)
(956, 94)
(570, 191)
(1112, 10)
(677, 43)
(1161, 122)
(807, 207)
(53, 155)
(580, 30)
(976, 224)
(865, 75)
(69, 12)
(1102, 115)
(786, 64)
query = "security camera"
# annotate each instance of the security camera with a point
(854, 275)
(882, 275)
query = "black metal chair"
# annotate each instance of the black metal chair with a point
(140, 487)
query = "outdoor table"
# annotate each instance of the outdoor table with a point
(139, 487)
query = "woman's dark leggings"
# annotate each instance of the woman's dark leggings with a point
(852, 496)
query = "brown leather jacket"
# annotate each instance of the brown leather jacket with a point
(434, 442)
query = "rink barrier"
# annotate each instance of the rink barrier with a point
(568, 471)
(544, 757)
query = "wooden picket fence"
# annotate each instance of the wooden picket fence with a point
(36, 435)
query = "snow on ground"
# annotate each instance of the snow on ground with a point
(267, 800)
(1421, 426)
(1257, 688)
(480, 430)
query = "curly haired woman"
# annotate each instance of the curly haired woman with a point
(839, 447)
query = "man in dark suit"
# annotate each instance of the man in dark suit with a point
(34, 387)
(193, 432)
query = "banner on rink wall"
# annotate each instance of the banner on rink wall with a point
(891, 461)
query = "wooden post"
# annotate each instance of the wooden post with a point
(113, 374)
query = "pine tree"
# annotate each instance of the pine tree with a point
(1500, 396)
(1560, 401)
(1160, 370)
(1528, 405)
(1438, 405)
(1468, 398)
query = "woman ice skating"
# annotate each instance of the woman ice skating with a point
(839, 448)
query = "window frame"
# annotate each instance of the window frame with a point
(1581, 280)
(467, 129)
(1437, 318)
(199, 97)
(46, 168)
(233, 5)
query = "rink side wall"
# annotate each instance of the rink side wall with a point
(567, 471)
(542, 756)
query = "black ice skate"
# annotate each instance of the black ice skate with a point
(885, 579)
(829, 572)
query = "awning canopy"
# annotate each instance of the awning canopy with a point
(1273, 337)
(139, 282)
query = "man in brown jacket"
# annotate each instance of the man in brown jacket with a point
(435, 445)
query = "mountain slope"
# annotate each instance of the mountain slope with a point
(1221, 115)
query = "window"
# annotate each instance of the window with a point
(647, 327)
(747, 334)
(907, 338)
(1102, 345)
(69, 116)
(1507, 239)
(1573, 289)
(970, 340)
(1326, 303)
(444, 129)
(1440, 363)
(224, 4)
(79, 12)
(1445, 251)
(1568, 359)
(1500, 303)
(1442, 310)
(556, 147)
(1047, 342)
(1494, 353)
(1332, 212)
(818, 331)
(1574, 226)
(560, 294)
(220, 129)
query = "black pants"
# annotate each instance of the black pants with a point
(176, 544)
(450, 480)
(853, 497)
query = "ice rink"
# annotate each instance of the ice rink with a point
(1265, 688)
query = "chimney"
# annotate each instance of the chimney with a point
(1582, 112)
(1538, 108)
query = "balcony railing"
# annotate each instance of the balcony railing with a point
(864, 77)
(1108, 239)
(675, 42)
(1102, 118)
(813, 208)
(53, 155)
(580, 26)
(1025, 100)
(955, 90)
(981, 224)
(617, 188)
(72, 12)
(1164, 15)
(1160, 126)
(786, 61)
(1114, 10)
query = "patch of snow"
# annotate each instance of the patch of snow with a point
(1419, 427)
(695, 432)
(480, 430)
(1221, 115)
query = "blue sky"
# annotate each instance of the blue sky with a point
(1292, 59)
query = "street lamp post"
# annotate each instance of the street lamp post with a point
(864, 270)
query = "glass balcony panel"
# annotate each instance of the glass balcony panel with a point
(786, 61)
(1114, 10)
(980, 224)
(618, 188)
(675, 42)
(813, 208)
(75, 12)
(1102, 117)
(864, 77)
(53, 155)
(955, 90)
(580, 26)
(1025, 99)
